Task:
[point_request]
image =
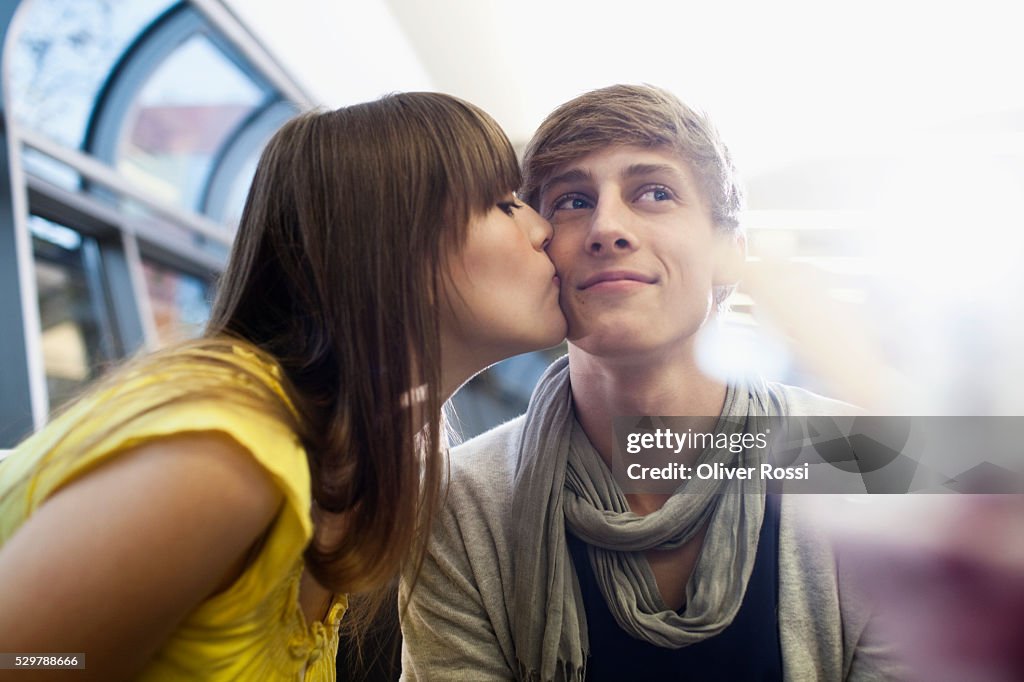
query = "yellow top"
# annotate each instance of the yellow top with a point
(254, 630)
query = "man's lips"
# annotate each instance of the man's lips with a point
(615, 276)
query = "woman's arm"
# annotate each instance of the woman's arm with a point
(112, 563)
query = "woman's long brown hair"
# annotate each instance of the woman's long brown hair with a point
(336, 274)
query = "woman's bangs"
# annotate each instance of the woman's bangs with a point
(486, 165)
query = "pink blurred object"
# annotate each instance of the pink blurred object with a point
(946, 576)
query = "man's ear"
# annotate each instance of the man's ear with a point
(730, 255)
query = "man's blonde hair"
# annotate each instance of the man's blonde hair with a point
(640, 115)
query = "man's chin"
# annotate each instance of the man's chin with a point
(610, 344)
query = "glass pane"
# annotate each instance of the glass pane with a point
(72, 310)
(238, 165)
(180, 302)
(179, 122)
(499, 393)
(62, 56)
(240, 188)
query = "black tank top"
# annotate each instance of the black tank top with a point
(748, 649)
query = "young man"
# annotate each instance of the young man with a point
(541, 568)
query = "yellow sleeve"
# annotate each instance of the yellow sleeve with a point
(37, 470)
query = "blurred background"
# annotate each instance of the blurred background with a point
(881, 145)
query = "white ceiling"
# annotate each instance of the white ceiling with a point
(785, 80)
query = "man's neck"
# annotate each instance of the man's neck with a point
(667, 385)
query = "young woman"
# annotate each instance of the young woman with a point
(202, 513)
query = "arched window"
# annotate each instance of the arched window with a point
(134, 127)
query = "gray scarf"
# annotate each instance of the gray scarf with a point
(561, 480)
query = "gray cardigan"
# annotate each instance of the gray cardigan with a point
(456, 626)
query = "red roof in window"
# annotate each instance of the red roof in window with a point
(186, 129)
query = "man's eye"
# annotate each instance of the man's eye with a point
(571, 202)
(655, 194)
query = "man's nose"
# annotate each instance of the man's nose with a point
(611, 228)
